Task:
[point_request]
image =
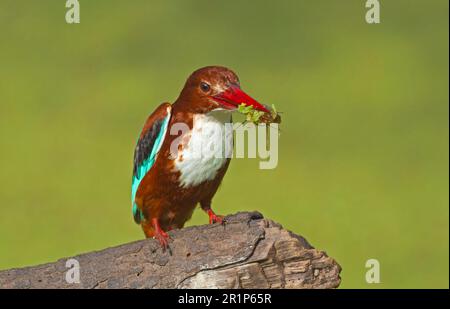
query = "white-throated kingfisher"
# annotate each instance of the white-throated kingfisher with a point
(166, 189)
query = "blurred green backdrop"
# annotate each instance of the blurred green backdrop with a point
(363, 161)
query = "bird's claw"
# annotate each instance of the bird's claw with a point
(163, 239)
(213, 218)
(161, 235)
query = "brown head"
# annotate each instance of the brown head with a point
(212, 88)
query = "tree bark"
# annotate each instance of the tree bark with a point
(247, 251)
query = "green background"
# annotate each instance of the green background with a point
(363, 158)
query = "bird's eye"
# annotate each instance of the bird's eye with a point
(204, 87)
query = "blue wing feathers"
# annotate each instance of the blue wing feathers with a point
(145, 155)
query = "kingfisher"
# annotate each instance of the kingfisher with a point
(167, 185)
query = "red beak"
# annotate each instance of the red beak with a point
(234, 96)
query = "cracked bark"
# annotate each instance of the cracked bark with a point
(248, 252)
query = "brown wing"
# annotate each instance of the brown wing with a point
(147, 148)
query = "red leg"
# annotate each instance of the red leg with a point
(160, 235)
(213, 218)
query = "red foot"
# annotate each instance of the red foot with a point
(160, 235)
(213, 218)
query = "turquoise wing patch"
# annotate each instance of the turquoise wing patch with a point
(145, 154)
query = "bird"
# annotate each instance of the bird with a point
(166, 185)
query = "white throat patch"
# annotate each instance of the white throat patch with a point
(205, 149)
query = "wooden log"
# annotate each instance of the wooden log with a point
(247, 251)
